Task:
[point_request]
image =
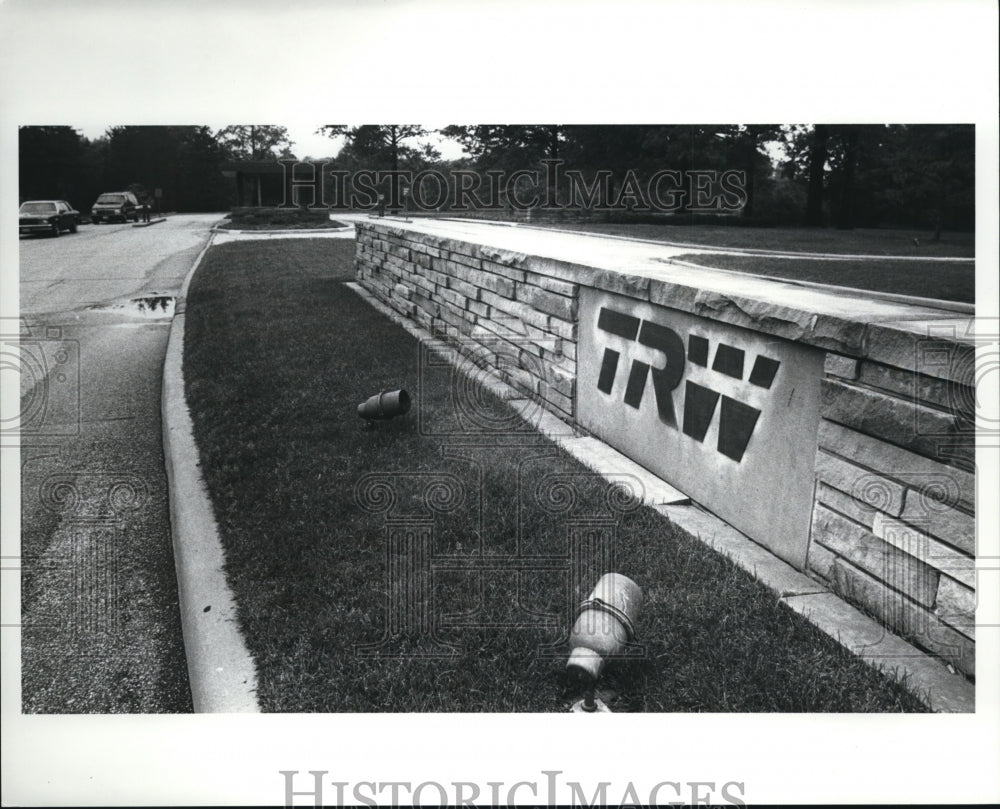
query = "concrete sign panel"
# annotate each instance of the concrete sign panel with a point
(727, 415)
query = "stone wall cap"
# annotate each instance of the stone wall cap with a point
(828, 317)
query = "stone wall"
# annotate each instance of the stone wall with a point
(506, 311)
(892, 525)
(893, 519)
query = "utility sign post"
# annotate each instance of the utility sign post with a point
(727, 415)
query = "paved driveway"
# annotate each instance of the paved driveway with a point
(103, 262)
(100, 622)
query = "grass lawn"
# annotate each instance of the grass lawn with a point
(948, 281)
(860, 241)
(278, 355)
(938, 280)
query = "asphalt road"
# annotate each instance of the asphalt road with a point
(100, 622)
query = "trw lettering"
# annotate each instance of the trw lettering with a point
(737, 419)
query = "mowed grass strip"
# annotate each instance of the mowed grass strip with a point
(925, 279)
(278, 355)
(858, 241)
(947, 281)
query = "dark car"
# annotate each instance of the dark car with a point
(115, 205)
(47, 216)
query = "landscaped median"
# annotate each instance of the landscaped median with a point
(283, 219)
(432, 563)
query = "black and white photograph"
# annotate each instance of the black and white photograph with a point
(652, 372)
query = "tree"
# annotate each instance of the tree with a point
(817, 168)
(746, 153)
(143, 158)
(255, 141)
(201, 186)
(597, 147)
(886, 174)
(94, 159)
(185, 162)
(849, 146)
(508, 146)
(623, 151)
(929, 176)
(51, 164)
(386, 147)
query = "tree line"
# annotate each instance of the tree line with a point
(865, 175)
(182, 163)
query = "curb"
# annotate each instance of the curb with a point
(147, 224)
(221, 671)
(928, 678)
(219, 229)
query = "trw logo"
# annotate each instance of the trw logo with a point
(737, 419)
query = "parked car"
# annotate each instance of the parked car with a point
(115, 205)
(47, 216)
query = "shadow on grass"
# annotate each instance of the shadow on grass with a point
(432, 564)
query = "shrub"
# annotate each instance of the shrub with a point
(279, 218)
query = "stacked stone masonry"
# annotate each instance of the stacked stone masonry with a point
(893, 518)
(894, 525)
(498, 313)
